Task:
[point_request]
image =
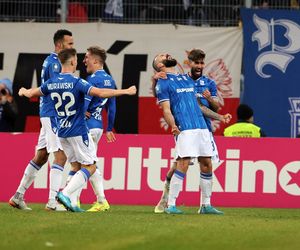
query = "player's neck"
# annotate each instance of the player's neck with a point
(66, 70)
(170, 70)
(194, 77)
(97, 68)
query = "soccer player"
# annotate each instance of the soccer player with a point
(68, 93)
(48, 141)
(207, 92)
(94, 61)
(182, 113)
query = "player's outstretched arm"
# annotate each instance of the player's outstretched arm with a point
(106, 93)
(33, 92)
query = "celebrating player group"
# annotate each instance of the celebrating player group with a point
(71, 119)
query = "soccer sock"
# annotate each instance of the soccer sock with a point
(165, 193)
(70, 176)
(28, 177)
(56, 172)
(73, 197)
(97, 184)
(168, 179)
(206, 187)
(77, 182)
(175, 187)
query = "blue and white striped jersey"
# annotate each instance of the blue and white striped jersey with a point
(51, 68)
(180, 92)
(67, 93)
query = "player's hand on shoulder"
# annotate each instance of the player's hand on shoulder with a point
(206, 94)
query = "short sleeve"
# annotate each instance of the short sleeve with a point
(44, 88)
(213, 88)
(162, 90)
(84, 86)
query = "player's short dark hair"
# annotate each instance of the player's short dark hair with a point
(196, 55)
(244, 112)
(65, 54)
(98, 51)
(59, 35)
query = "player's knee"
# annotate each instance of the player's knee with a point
(41, 157)
(91, 168)
(60, 158)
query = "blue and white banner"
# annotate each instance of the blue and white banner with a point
(271, 68)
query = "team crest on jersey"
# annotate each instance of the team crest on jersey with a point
(202, 83)
(55, 66)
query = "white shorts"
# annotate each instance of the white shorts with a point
(96, 134)
(215, 156)
(48, 137)
(80, 149)
(193, 143)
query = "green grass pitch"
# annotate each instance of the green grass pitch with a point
(137, 227)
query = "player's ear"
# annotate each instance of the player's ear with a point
(60, 45)
(73, 61)
(160, 65)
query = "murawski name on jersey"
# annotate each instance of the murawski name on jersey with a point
(60, 85)
(185, 90)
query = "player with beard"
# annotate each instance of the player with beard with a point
(181, 111)
(208, 105)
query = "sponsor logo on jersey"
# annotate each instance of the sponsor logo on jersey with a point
(186, 90)
(107, 83)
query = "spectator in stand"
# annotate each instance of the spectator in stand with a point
(8, 107)
(277, 4)
(114, 9)
(244, 127)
